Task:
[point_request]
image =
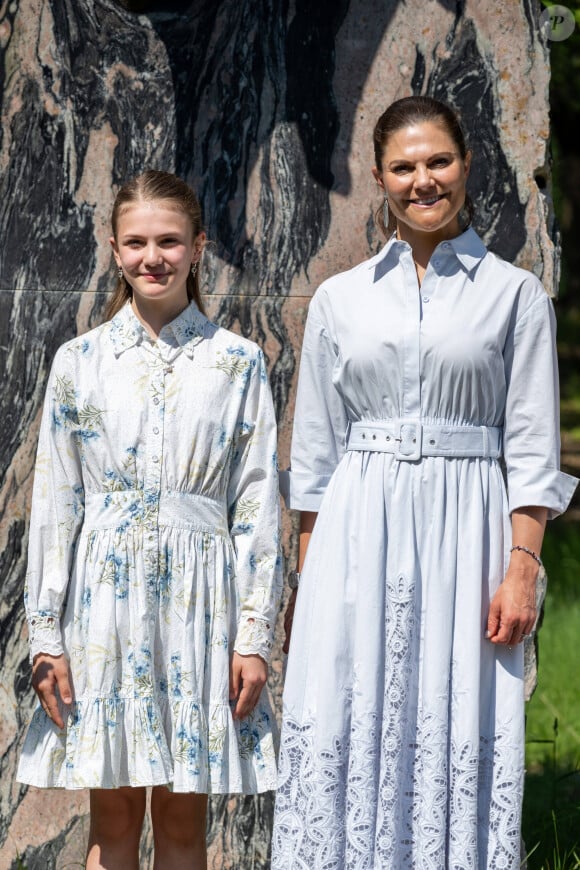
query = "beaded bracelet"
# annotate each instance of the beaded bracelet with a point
(529, 552)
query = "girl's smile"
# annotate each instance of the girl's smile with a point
(155, 248)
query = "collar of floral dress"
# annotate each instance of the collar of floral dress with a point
(189, 328)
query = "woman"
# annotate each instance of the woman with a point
(153, 575)
(423, 370)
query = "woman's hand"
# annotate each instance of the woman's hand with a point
(50, 678)
(248, 675)
(288, 620)
(512, 613)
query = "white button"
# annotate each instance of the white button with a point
(155, 459)
(425, 298)
(156, 430)
(155, 401)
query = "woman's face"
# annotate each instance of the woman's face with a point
(155, 248)
(424, 177)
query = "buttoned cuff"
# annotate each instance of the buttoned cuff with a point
(44, 634)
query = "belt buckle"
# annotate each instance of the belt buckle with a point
(409, 441)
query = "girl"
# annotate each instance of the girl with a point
(153, 579)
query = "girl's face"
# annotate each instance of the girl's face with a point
(155, 248)
(424, 178)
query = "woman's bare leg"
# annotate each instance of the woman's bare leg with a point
(179, 830)
(116, 822)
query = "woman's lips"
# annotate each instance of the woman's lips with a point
(425, 201)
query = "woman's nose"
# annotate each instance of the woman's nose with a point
(422, 175)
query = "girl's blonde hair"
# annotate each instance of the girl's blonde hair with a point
(154, 185)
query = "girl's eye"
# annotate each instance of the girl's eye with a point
(440, 161)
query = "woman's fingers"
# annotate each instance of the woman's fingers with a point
(510, 619)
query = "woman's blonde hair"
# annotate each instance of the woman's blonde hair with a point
(154, 185)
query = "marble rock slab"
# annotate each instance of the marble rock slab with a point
(267, 109)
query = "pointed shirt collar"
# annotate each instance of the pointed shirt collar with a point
(188, 329)
(468, 248)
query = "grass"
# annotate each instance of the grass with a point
(551, 813)
(551, 817)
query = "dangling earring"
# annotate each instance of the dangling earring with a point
(386, 212)
(120, 272)
(194, 269)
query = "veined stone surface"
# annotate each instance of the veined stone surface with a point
(267, 109)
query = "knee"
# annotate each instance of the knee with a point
(117, 816)
(181, 820)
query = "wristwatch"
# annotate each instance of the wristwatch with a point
(294, 579)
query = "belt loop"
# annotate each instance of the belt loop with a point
(485, 441)
(347, 434)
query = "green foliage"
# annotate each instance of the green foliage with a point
(551, 812)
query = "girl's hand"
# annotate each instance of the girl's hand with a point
(248, 675)
(289, 619)
(50, 674)
(512, 613)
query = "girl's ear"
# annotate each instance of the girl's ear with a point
(113, 244)
(199, 244)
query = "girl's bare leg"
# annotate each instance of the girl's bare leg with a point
(116, 822)
(179, 830)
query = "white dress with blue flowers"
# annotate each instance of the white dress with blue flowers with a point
(154, 553)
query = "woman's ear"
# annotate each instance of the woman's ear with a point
(467, 162)
(378, 178)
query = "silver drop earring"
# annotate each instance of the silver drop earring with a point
(386, 212)
(194, 269)
(120, 272)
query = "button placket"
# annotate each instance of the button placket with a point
(153, 470)
(411, 392)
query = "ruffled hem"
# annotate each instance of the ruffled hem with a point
(113, 742)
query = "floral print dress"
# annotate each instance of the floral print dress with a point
(154, 553)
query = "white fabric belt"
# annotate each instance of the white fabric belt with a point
(410, 439)
(140, 509)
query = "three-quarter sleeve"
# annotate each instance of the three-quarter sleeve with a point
(532, 415)
(254, 516)
(56, 514)
(320, 418)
